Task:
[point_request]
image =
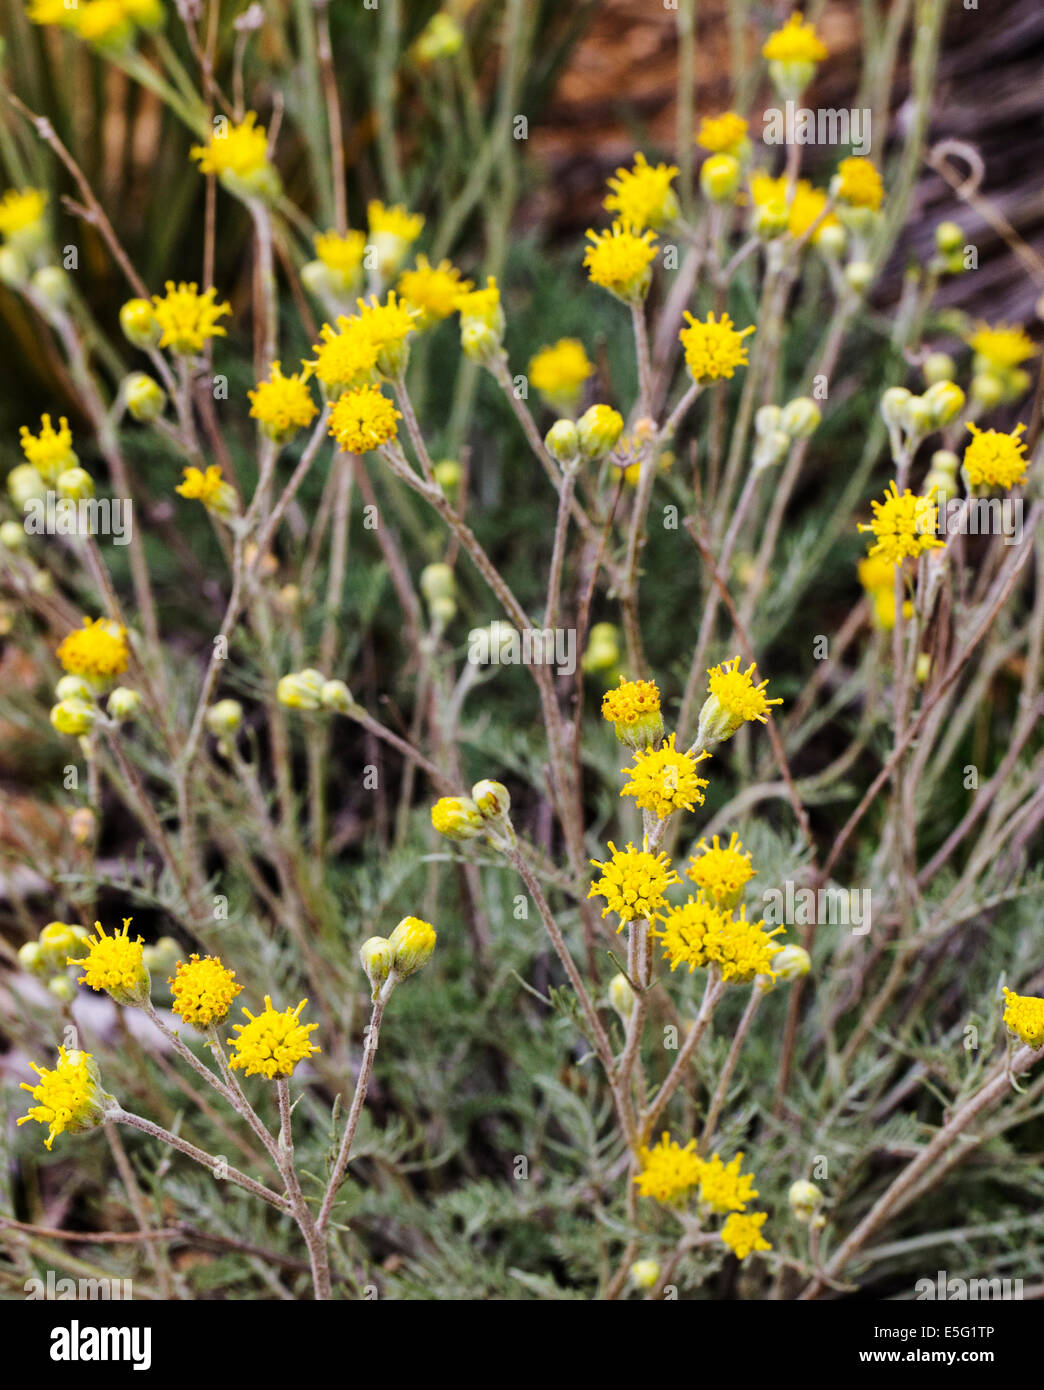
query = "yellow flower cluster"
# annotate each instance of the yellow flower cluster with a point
(188, 319)
(807, 205)
(699, 934)
(116, 965)
(877, 576)
(1001, 346)
(240, 150)
(633, 883)
(203, 990)
(432, 290)
(713, 349)
(69, 1096)
(859, 184)
(903, 525)
(110, 24)
(363, 419)
(282, 404)
(619, 260)
(742, 1233)
(738, 697)
(98, 649)
(643, 196)
(559, 372)
(22, 213)
(721, 873)
(664, 780)
(50, 452)
(722, 134)
(723, 1187)
(995, 459)
(1024, 1017)
(797, 41)
(668, 1170)
(272, 1043)
(630, 702)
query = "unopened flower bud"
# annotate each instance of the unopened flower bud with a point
(412, 942)
(767, 419)
(75, 484)
(123, 704)
(301, 689)
(791, 76)
(62, 988)
(437, 581)
(83, 824)
(622, 997)
(24, 484)
(949, 237)
(480, 342)
(14, 268)
(720, 178)
(448, 474)
(145, 398)
(598, 430)
(791, 962)
(988, 389)
(801, 417)
(377, 956)
(938, 366)
(945, 461)
(12, 535)
(831, 240)
(562, 441)
(336, 696)
(645, 1273)
(51, 284)
(73, 717)
(918, 417)
(224, 718)
(140, 325)
(893, 406)
(945, 400)
(56, 942)
(457, 817)
(603, 648)
(804, 1199)
(492, 799)
(859, 276)
(29, 957)
(770, 219)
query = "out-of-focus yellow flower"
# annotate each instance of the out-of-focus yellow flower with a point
(742, 1233)
(598, 430)
(482, 305)
(806, 207)
(1003, 346)
(722, 134)
(1024, 1017)
(620, 261)
(713, 348)
(995, 459)
(203, 990)
(22, 217)
(96, 651)
(558, 372)
(440, 38)
(432, 290)
(859, 184)
(797, 41)
(393, 231)
(633, 883)
(273, 1042)
(388, 326)
(238, 156)
(643, 196)
(877, 576)
(50, 452)
(903, 525)
(210, 488)
(69, 1095)
(482, 323)
(341, 252)
(116, 965)
(363, 419)
(664, 781)
(668, 1170)
(721, 873)
(346, 356)
(188, 319)
(282, 404)
(723, 1187)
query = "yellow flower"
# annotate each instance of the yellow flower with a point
(105, 22)
(733, 700)
(343, 254)
(273, 1042)
(875, 572)
(633, 883)
(209, 488)
(96, 650)
(700, 934)
(1002, 346)
(742, 1233)
(363, 419)
(52, 12)
(70, 1096)
(619, 261)
(239, 151)
(721, 873)
(187, 318)
(806, 207)
(795, 42)
(387, 326)
(457, 817)
(559, 372)
(22, 213)
(282, 404)
(115, 964)
(723, 1187)
(904, 524)
(713, 349)
(433, 290)
(51, 451)
(643, 196)
(995, 459)
(1024, 1016)
(722, 134)
(394, 221)
(203, 991)
(663, 780)
(483, 306)
(412, 943)
(346, 357)
(859, 184)
(633, 709)
(668, 1170)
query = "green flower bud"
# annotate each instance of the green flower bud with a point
(945, 401)
(224, 719)
(437, 581)
(831, 240)
(480, 343)
(804, 1199)
(945, 461)
(73, 688)
(51, 284)
(145, 398)
(988, 390)
(800, 418)
(859, 276)
(771, 449)
(791, 962)
(448, 474)
(622, 997)
(139, 324)
(893, 406)
(599, 429)
(645, 1274)
(949, 237)
(440, 38)
(492, 799)
(75, 484)
(124, 704)
(29, 957)
(767, 420)
(720, 178)
(14, 268)
(770, 220)
(336, 696)
(791, 76)
(62, 988)
(73, 717)
(562, 441)
(377, 956)
(24, 485)
(412, 942)
(603, 648)
(938, 366)
(301, 689)
(944, 483)
(12, 535)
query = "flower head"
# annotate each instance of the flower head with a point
(806, 208)
(483, 306)
(722, 134)
(188, 319)
(859, 184)
(797, 41)
(22, 215)
(633, 883)
(643, 196)
(432, 290)
(387, 326)
(342, 253)
(273, 1042)
(700, 934)
(1002, 346)
(116, 965)
(346, 356)
(664, 780)
(393, 231)
(713, 349)
(742, 1233)
(363, 419)
(995, 459)
(282, 404)
(203, 991)
(457, 817)
(240, 150)
(97, 651)
(619, 260)
(210, 488)
(734, 699)
(412, 943)
(668, 1170)
(51, 451)
(69, 1095)
(720, 872)
(723, 1187)
(1024, 1017)
(903, 525)
(558, 372)
(633, 709)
